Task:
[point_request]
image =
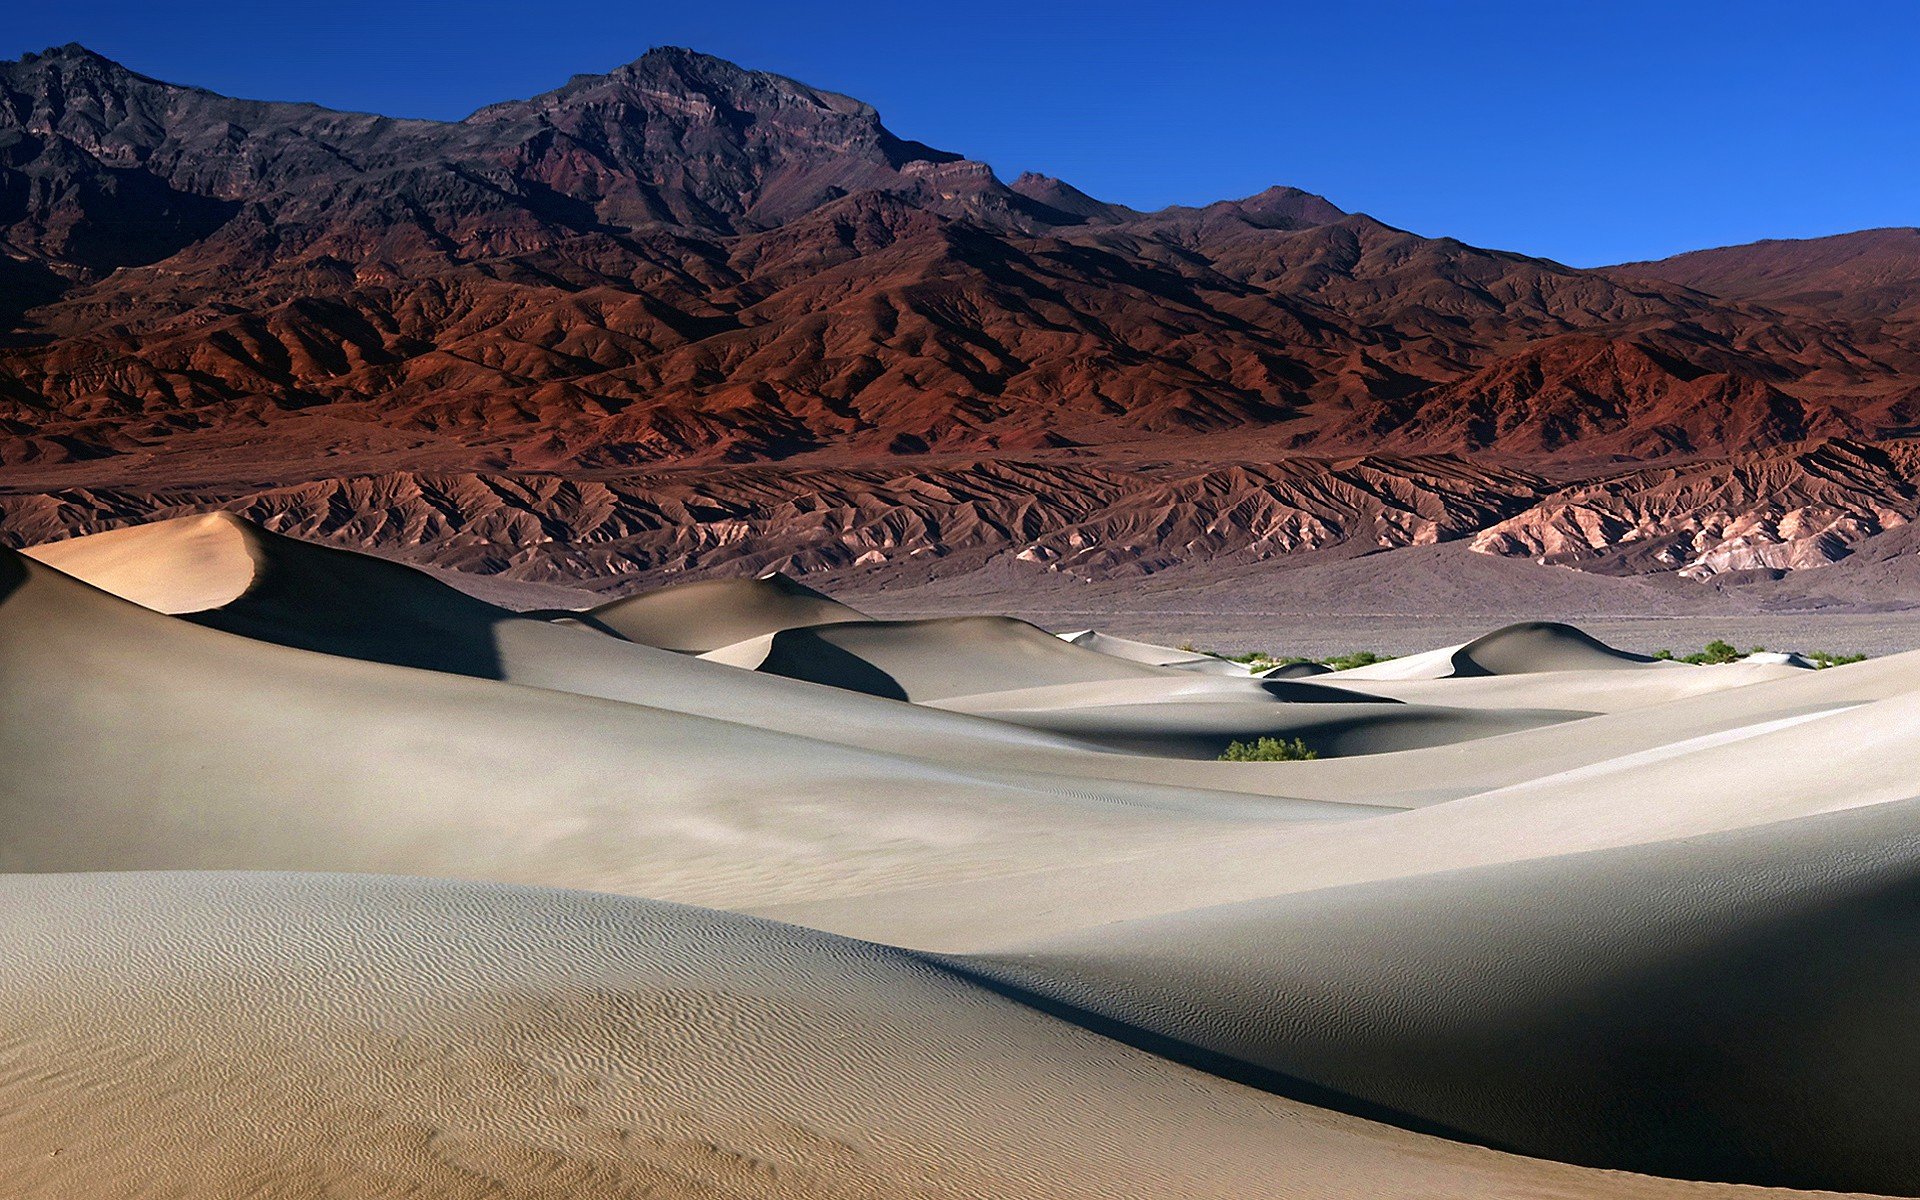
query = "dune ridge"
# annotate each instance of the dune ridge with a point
(698, 617)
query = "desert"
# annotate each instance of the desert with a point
(660, 637)
(392, 887)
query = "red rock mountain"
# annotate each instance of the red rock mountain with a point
(689, 317)
(1873, 273)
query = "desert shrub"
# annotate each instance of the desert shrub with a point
(1252, 657)
(1823, 659)
(1359, 658)
(1723, 651)
(1269, 749)
(1720, 651)
(1261, 660)
(1713, 653)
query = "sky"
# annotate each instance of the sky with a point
(1586, 132)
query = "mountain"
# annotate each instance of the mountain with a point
(684, 293)
(1873, 273)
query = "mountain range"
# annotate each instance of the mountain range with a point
(685, 318)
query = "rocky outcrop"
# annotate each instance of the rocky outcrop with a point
(1086, 520)
(1799, 508)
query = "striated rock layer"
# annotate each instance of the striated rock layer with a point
(684, 316)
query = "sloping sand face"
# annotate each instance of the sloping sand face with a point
(705, 616)
(135, 741)
(187, 565)
(1672, 938)
(947, 657)
(1734, 1007)
(1157, 656)
(310, 1036)
(1535, 646)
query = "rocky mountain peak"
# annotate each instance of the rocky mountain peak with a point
(71, 89)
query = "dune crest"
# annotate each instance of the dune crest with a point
(185, 565)
(1535, 646)
(698, 617)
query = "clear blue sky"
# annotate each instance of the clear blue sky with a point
(1587, 132)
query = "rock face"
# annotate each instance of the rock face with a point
(687, 317)
(1787, 510)
(1090, 521)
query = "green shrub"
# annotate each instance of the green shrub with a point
(1721, 651)
(1714, 653)
(1269, 749)
(1261, 660)
(1359, 658)
(1822, 659)
(1253, 656)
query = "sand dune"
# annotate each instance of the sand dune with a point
(136, 741)
(697, 617)
(1535, 646)
(943, 658)
(1541, 900)
(311, 597)
(1734, 1007)
(1016, 674)
(1526, 648)
(307, 1036)
(1297, 670)
(1152, 655)
(181, 566)
(1765, 771)
(1428, 664)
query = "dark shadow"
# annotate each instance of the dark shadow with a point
(1328, 732)
(1760, 1035)
(13, 572)
(24, 286)
(336, 602)
(1295, 692)
(126, 217)
(1298, 670)
(579, 616)
(1305, 1091)
(799, 654)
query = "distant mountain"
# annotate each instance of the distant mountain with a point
(682, 263)
(1873, 273)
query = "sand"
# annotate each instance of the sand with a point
(719, 612)
(1727, 1007)
(323, 878)
(1147, 652)
(183, 566)
(342, 1036)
